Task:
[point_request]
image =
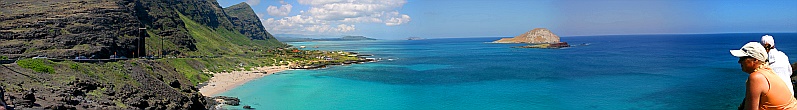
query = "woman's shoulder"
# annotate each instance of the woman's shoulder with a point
(758, 75)
(762, 73)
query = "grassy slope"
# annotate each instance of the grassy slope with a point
(155, 42)
(233, 47)
(221, 41)
(192, 68)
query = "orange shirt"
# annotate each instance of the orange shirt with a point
(778, 97)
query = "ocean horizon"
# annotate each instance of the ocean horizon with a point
(669, 71)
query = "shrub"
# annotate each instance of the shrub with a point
(38, 65)
(74, 66)
(3, 58)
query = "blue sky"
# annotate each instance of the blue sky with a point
(398, 19)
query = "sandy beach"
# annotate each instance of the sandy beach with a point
(221, 82)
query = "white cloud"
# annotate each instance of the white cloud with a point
(357, 11)
(345, 28)
(398, 20)
(252, 2)
(334, 16)
(304, 25)
(279, 11)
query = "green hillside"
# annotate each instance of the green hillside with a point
(192, 38)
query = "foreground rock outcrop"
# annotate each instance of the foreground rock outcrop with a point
(66, 28)
(133, 84)
(535, 36)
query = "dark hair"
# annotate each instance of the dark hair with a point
(768, 46)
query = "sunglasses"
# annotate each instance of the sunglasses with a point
(742, 59)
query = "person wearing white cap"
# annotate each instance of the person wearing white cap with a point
(765, 89)
(778, 60)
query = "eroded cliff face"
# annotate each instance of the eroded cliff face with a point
(247, 22)
(535, 36)
(66, 28)
(70, 28)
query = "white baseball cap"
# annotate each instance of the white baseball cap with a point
(752, 49)
(767, 39)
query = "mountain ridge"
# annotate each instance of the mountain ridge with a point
(65, 29)
(251, 26)
(83, 28)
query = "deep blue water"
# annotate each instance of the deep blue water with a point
(613, 72)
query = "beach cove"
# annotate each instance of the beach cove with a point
(222, 82)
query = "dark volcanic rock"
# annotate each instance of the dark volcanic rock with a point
(66, 29)
(174, 84)
(138, 88)
(234, 101)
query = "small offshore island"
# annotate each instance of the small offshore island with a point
(538, 38)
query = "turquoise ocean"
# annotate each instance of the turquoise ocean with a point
(667, 72)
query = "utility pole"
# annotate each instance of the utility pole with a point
(141, 43)
(161, 51)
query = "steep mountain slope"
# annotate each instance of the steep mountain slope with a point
(247, 22)
(70, 28)
(67, 28)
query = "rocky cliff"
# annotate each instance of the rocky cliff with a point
(247, 22)
(69, 28)
(66, 28)
(535, 36)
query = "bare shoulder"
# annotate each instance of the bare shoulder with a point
(757, 74)
(757, 83)
(756, 77)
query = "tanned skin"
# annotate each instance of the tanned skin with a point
(756, 82)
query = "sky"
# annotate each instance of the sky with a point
(400, 19)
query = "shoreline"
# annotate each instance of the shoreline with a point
(225, 81)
